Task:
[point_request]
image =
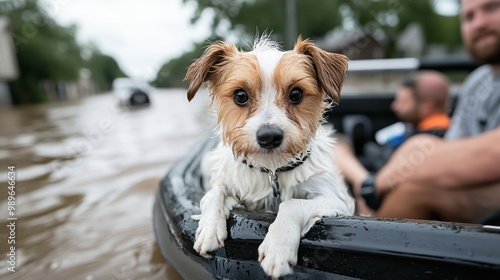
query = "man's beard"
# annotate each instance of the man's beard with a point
(486, 55)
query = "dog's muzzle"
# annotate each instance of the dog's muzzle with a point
(269, 137)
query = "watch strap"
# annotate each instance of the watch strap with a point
(369, 193)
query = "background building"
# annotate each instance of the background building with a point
(8, 63)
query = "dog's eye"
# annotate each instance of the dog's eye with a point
(240, 97)
(296, 95)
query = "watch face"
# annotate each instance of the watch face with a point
(369, 193)
(367, 189)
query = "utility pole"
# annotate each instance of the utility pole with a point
(290, 23)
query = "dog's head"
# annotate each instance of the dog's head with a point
(269, 102)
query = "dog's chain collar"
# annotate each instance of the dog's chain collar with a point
(273, 175)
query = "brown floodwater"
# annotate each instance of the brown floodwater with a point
(86, 175)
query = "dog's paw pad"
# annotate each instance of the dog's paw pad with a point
(205, 244)
(210, 237)
(277, 259)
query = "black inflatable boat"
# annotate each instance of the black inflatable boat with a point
(335, 248)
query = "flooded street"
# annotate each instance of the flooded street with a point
(86, 175)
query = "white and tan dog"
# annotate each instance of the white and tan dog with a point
(273, 149)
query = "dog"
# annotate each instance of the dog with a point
(274, 153)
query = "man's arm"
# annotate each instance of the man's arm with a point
(352, 170)
(431, 162)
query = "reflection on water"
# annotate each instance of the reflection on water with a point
(87, 175)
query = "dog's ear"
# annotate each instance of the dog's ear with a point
(202, 68)
(330, 68)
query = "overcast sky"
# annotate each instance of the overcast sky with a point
(140, 35)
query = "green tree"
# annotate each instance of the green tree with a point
(45, 50)
(389, 18)
(247, 17)
(385, 18)
(172, 73)
(104, 69)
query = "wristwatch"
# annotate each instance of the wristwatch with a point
(369, 193)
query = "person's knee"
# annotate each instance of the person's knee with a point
(413, 193)
(409, 201)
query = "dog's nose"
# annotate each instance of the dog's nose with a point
(269, 137)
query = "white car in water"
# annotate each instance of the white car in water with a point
(130, 92)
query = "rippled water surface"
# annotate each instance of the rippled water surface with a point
(86, 175)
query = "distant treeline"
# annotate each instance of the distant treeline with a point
(47, 51)
(384, 20)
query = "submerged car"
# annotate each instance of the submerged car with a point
(130, 92)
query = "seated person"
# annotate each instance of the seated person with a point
(420, 102)
(458, 178)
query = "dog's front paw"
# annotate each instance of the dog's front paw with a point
(278, 253)
(210, 235)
